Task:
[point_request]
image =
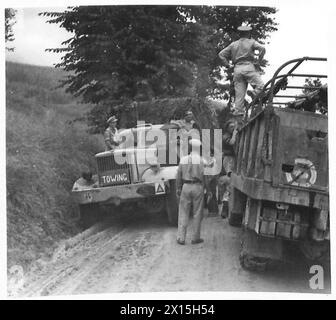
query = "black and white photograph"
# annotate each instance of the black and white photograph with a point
(167, 148)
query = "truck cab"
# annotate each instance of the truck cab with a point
(139, 170)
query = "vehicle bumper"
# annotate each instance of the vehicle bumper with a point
(119, 193)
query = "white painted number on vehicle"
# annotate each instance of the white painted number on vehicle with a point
(88, 196)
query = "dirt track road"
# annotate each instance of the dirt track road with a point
(140, 254)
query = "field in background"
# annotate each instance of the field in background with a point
(45, 153)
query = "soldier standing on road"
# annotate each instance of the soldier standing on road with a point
(243, 56)
(111, 134)
(190, 189)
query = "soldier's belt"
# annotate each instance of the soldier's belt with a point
(192, 181)
(243, 62)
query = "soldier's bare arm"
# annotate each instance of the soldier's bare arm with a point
(225, 56)
(230, 139)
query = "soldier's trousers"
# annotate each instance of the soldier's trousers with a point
(192, 195)
(243, 75)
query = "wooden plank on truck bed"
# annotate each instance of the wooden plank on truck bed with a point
(259, 166)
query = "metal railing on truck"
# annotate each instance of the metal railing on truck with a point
(262, 107)
(266, 96)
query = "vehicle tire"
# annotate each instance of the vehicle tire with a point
(154, 204)
(235, 220)
(237, 203)
(89, 214)
(252, 262)
(315, 251)
(172, 204)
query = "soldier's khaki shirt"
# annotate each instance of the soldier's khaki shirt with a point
(110, 136)
(187, 125)
(241, 50)
(191, 168)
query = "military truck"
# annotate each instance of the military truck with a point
(280, 181)
(132, 173)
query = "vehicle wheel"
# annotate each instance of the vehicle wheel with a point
(172, 204)
(315, 251)
(89, 214)
(154, 204)
(235, 220)
(237, 203)
(252, 262)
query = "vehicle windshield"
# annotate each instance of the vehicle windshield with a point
(142, 138)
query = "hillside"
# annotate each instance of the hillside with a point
(46, 152)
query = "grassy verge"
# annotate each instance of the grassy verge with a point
(46, 153)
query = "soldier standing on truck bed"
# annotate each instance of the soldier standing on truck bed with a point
(111, 134)
(242, 54)
(190, 182)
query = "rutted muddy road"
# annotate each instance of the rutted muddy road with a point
(139, 253)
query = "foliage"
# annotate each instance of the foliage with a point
(153, 111)
(122, 54)
(309, 82)
(318, 101)
(223, 22)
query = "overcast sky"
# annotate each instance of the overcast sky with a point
(301, 32)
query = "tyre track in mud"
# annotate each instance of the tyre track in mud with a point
(88, 263)
(71, 255)
(139, 254)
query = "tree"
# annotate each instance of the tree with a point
(222, 22)
(121, 54)
(314, 97)
(9, 22)
(309, 82)
(317, 99)
(128, 52)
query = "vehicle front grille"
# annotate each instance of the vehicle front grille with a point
(108, 163)
(112, 173)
